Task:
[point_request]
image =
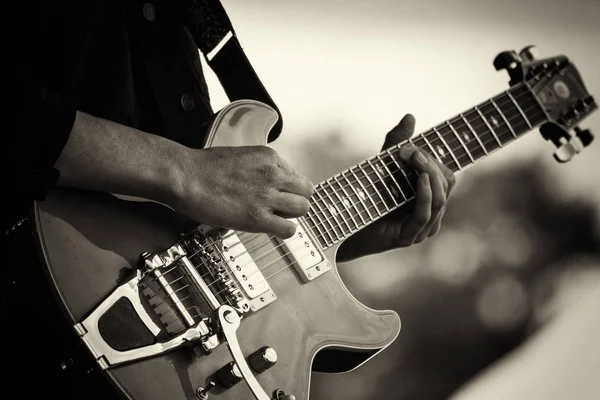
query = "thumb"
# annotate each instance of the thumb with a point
(401, 132)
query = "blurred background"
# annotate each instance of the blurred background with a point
(504, 303)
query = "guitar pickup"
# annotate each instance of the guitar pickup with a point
(308, 260)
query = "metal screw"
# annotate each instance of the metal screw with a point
(262, 299)
(308, 276)
(228, 315)
(318, 268)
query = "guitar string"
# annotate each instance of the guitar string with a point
(406, 199)
(328, 220)
(335, 203)
(285, 267)
(379, 181)
(367, 175)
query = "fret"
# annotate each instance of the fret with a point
(448, 148)
(344, 204)
(410, 186)
(474, 133)
(520, 109)
(489, 126)
(357, 193)
(332, 218)
(460, 141)
(325, 220)
(319, 225)
(433, 152)
(382, 183)
(396, 193)
(351, 202)
(504, 118)
(371, 185)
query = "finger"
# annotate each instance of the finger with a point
(450, 179)
(290, 205)
(401, 132)
(448, 174)
(438, 223)
(424, 163)
(297, 184)
(279, 226)
(421, 213)
(438, 202)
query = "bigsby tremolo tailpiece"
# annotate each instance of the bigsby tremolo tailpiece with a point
(208, 280)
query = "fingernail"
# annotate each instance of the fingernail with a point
(421, 158)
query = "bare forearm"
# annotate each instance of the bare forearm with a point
(105, 156)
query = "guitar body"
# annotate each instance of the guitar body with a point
(91, 243)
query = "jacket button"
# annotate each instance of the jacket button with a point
(187, 102)
(149, 11)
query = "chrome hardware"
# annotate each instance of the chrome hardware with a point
(240, 282)
(229, 321)
(308, 260)
(105, 355)
(202, 392)
(280, 395)
(262, 359)
(201, 264)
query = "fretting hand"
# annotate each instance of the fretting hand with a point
(404, 228)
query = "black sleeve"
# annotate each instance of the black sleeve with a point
(43, 124)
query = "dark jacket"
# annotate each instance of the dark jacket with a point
(133, 62)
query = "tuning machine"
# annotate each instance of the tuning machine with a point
(568, 145)
(512, 63)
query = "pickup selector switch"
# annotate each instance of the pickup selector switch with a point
(262, 359)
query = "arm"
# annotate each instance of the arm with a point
(105, 156)
(250, 188)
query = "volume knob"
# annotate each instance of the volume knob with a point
(262, 359)
(229, 375)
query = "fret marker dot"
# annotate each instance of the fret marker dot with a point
(441, 151)
(395, 192)
(495, 122)
(332, 210)
(362, 194)
(346, 202)
(467, 137)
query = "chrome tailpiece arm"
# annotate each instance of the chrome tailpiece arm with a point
(229, 321)
(107, 356)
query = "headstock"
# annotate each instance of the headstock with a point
(561, 92)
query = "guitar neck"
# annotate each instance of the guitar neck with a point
(360, 195)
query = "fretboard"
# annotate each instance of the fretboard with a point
(360, 195)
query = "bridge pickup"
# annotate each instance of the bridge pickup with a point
(247, 274)
(308, 260)
(244, 282)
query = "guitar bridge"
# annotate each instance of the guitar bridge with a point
(176, 294)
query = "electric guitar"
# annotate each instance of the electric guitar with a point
(172, 310)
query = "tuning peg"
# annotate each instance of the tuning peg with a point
(585, 136)
(565, 153)
(507, 60)
(528, 53)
